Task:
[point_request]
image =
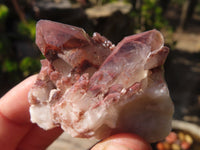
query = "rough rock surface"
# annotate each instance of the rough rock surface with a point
(92, 88)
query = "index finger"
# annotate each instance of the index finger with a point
(14, 104)
(14, 114)
(16, 129)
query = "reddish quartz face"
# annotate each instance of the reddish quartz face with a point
(92, 88)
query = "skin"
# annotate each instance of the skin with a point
(17, 132)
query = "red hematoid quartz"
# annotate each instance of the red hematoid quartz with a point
(92, 88)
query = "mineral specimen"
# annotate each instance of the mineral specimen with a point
(92, 88)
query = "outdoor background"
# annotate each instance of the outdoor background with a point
(178, 20)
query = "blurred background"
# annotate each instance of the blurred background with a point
(178, 20)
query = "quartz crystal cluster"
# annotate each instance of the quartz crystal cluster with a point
(92, 88)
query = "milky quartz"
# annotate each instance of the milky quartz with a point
(92, 88)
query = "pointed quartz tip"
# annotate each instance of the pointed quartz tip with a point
(52, 36)
(152, 38)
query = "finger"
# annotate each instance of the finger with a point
(123, 141)
(14, 115)
(16, 127)
(38, 138)
(11, 133)
(14, 104)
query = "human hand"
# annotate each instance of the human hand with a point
(17, 132)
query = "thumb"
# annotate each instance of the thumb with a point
(123, 141)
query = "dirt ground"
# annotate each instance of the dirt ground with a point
(182, 68)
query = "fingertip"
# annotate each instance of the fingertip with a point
(123, 141)
(27, 83)
(14, 114)
(19, 88)
(14, 104)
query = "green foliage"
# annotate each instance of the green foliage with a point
(27, 29)
(9, 66)
(13, 68)
(152, 14)
(29, 66)
(148, 16)
(5, 46)
(3, 12)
